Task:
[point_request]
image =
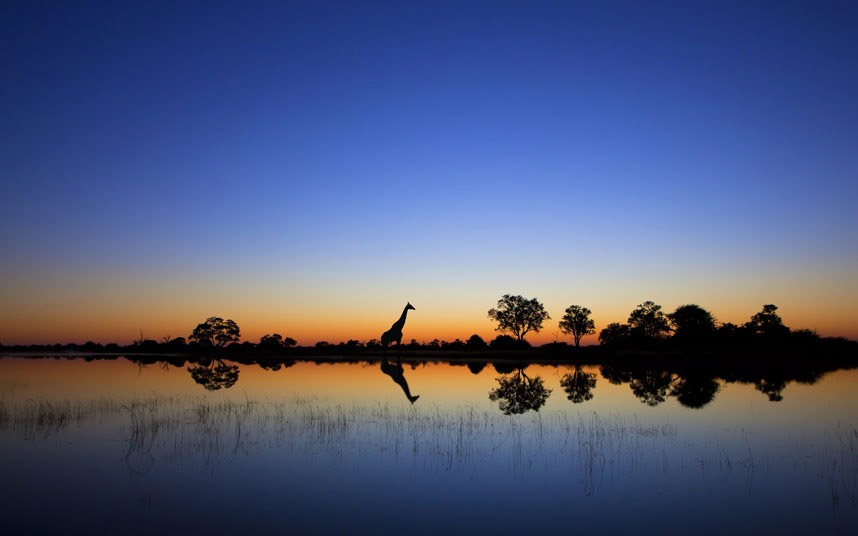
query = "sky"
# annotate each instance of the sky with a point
(306, 168)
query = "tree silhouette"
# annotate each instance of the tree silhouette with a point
(518, 315)
(506, 342)
(216, 331)
(579, 385)
(214, 376)
(692, 323)
(577, 322)
(614, 334)
(475, 342)
(648, 321)
(271, 342)
(517, 393)
(767, 322)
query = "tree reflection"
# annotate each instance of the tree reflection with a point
(215, 375)
(276, 365)
(651, 386)
(517, 393)
(771, 387)
(476, 366)
(695, 390)
(578, 385)
(615, 375)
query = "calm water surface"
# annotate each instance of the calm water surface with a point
(108, 446)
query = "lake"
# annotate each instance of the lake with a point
(108, 446)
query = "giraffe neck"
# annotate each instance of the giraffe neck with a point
(401, 321)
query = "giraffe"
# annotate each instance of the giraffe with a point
(395, 331)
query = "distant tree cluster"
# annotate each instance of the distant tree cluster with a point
(647, 326)
(692, 325)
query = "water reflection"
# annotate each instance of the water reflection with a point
(397, 374)
(214, 375)
(476, 366)
(771, 387)
(276, 365)
(517, 393)
(695, 390)
(579, 385)
(651, 386)
(691, 382)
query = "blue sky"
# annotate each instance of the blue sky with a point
(345, 154)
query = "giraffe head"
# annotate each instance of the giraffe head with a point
(409, 306)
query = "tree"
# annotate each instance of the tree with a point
(216, 331)
(614, 334)
(647, 320)
(475, 342)
(271, 343)
(518, 315)
(577, 322)
(692, 322)
(767, 322)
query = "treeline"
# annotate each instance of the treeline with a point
(648, 328)
(273, 345)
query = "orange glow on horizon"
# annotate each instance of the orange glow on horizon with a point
(308, 330)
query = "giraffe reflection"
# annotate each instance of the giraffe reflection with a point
(396, 372)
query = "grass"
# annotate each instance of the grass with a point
(589, 447)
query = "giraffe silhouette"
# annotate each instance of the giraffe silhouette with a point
(395, 331)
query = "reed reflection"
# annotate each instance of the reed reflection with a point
(518, 393)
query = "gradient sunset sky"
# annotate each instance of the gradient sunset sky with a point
(308, 167)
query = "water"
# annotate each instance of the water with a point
(108, 445)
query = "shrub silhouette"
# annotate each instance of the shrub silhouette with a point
(506, 342)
